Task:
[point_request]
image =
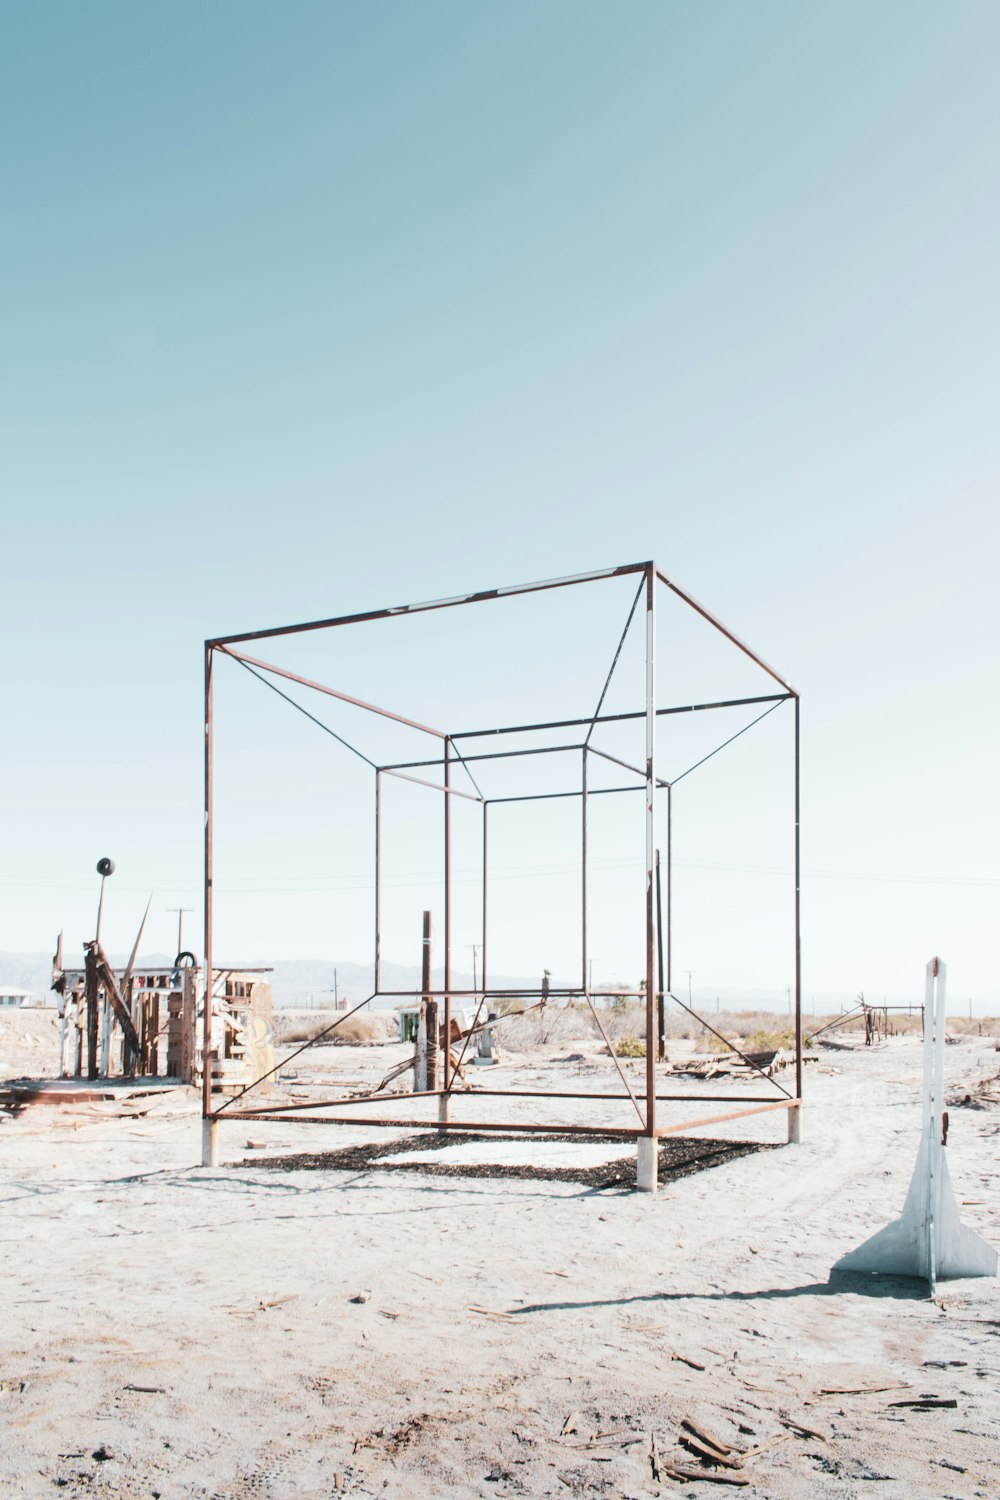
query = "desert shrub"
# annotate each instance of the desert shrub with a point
(709, 1042)
(768, 1041)
(356, 1030)
(507, 1005)
(290, 1033)
(362, 1028)
(630, 1046)
(970, 1025)
(623, 1018)
(554, 1022)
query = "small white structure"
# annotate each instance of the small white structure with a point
(929, 1240)
(15, 998)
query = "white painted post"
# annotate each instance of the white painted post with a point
(210, 1143)
(929, 1239)
(795, 1125)
(647, 1158)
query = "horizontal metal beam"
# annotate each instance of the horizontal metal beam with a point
(321, 687)
(593, 750)
(388, 1097)
(706, 614)
(757, 1109)
(678, 708)
(601, 791)
(416, 765)
(476, 1093)
(451, 791)
(414, 609)
(507, 1127)
(515, 1127)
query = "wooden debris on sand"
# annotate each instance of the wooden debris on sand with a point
(488, 1312)
(686, 1474)
(685, 1360)
(721, 1462)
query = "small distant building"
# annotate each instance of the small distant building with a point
(15, 999)
(409, 1021)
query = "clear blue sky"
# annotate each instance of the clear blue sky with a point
(315, 307)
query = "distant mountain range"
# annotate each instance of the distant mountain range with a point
(309, 983)
(296, 982)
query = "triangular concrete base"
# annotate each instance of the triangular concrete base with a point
(903, 1248)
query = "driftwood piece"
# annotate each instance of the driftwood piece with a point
(861, 1390)
(684, 1360)
(682, 1472)
(608, 1440)
(705, 1450)
(488, 1312)
(782, 1437)
(722, 1448)
(928, 1403)
(802, 1429)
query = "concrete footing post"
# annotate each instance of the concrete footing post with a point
(795, 1125)
(210, 1143)
(444, 1108)
(647, 1158)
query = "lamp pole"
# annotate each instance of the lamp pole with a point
(105, 867)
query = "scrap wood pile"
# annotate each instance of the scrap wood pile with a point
(700, 1455)
(737, 1065)
(983, 1093)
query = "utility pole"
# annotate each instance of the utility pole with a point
(689, 972)
(475, 951)
(180, 910)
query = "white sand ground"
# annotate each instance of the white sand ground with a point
(196, 1329)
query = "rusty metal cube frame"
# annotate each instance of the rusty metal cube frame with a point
(657, 987)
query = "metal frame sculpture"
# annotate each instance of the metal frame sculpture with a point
(456, 754)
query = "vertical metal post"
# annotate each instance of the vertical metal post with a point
(446, 1039)
(647, 1157)
(425, 1050)
(661, 1030)
(931, 1133)
(795, 1116)
(485, 905)
(209, 1129)
(92, 1009)
(670, 885)
(584, 977)
(378, 878)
